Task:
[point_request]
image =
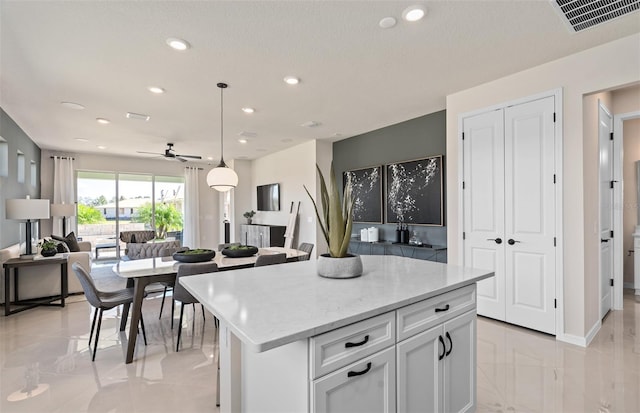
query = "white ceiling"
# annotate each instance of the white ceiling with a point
(355, 76)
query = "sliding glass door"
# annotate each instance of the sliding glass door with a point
(109, 203)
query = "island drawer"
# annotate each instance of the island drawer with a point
(421, 316)
(341, 347)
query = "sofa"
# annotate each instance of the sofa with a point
(44, 281)
(151, 249)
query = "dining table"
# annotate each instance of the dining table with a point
(140, 273)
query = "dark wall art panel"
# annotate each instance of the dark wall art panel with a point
(414, 192)
(366, 186)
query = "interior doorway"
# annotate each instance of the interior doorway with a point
(626, 199)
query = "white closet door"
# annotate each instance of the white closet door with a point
(484, 246)
(605, 127)
(530, 215)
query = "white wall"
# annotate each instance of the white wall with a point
(601, 68)
(292, 168)
(209, 214)
(630, 201)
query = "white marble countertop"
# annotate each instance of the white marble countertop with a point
(267, 307)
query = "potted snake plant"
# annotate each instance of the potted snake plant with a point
(336, 220)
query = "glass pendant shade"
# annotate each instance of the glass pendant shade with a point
(222, 178)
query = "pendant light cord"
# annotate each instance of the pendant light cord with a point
(222, 86)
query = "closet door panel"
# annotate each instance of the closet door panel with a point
(530, 214)
(483, 147)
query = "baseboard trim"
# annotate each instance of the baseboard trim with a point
(581, 341)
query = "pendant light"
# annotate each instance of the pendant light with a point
(222, 178)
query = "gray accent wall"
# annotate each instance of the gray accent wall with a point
(12, 232)
(413, 139)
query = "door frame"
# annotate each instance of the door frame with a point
(559, 282)
(618, 198)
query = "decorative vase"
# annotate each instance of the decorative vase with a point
(48, 253)
(346, 267)
(248, 221)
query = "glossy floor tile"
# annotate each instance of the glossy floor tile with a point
(46, 364)
(523, 371)
(45, 351)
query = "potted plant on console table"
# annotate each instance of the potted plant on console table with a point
(336, 221)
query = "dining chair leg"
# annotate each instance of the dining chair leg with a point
(144, 333)
(93, 325)
(164, 294)
(95, 346)
(173, 310)
(180, 327)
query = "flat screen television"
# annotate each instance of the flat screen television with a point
(269, 197)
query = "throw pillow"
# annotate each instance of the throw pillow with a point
(62, 247)
(70, 240)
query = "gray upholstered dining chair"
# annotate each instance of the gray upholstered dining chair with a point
(182, 295)
(271, 259)
(306, 247)
(102, 300)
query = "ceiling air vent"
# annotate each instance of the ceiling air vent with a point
(582, 14)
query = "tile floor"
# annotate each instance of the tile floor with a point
(518, 370)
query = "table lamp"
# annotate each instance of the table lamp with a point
(63, 210)
(27, 210)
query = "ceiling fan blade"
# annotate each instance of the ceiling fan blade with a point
(190, 156)
(151, 153)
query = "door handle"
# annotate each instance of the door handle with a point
(360, 343)
(496, 240)
(444, 348)
(512, 241)
(604, 240)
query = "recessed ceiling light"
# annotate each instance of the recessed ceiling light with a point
(102, 147)
(155, 89)
(103, 121)
(310, 124)
(82, 140)
(414, 13)
(210, 158)
(72, 105)
(387, 22)
(291, 80)
(178, 44)
(138, 116)
(243, 140)
(248, 110)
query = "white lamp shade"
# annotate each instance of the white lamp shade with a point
(27, 209)
(63, 210)
(222, 178)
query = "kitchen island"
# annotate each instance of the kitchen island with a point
(293, 341)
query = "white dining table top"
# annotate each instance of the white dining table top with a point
(149, 267)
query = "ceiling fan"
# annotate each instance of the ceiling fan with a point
(169, 153)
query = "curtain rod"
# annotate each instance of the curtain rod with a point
(63, 157)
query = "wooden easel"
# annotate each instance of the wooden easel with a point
(291, 226)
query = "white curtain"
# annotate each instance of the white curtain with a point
(191, 230)
(63, 190)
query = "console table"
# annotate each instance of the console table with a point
(16, 264)
(427, 252)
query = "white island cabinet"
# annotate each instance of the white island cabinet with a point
(399, 338)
